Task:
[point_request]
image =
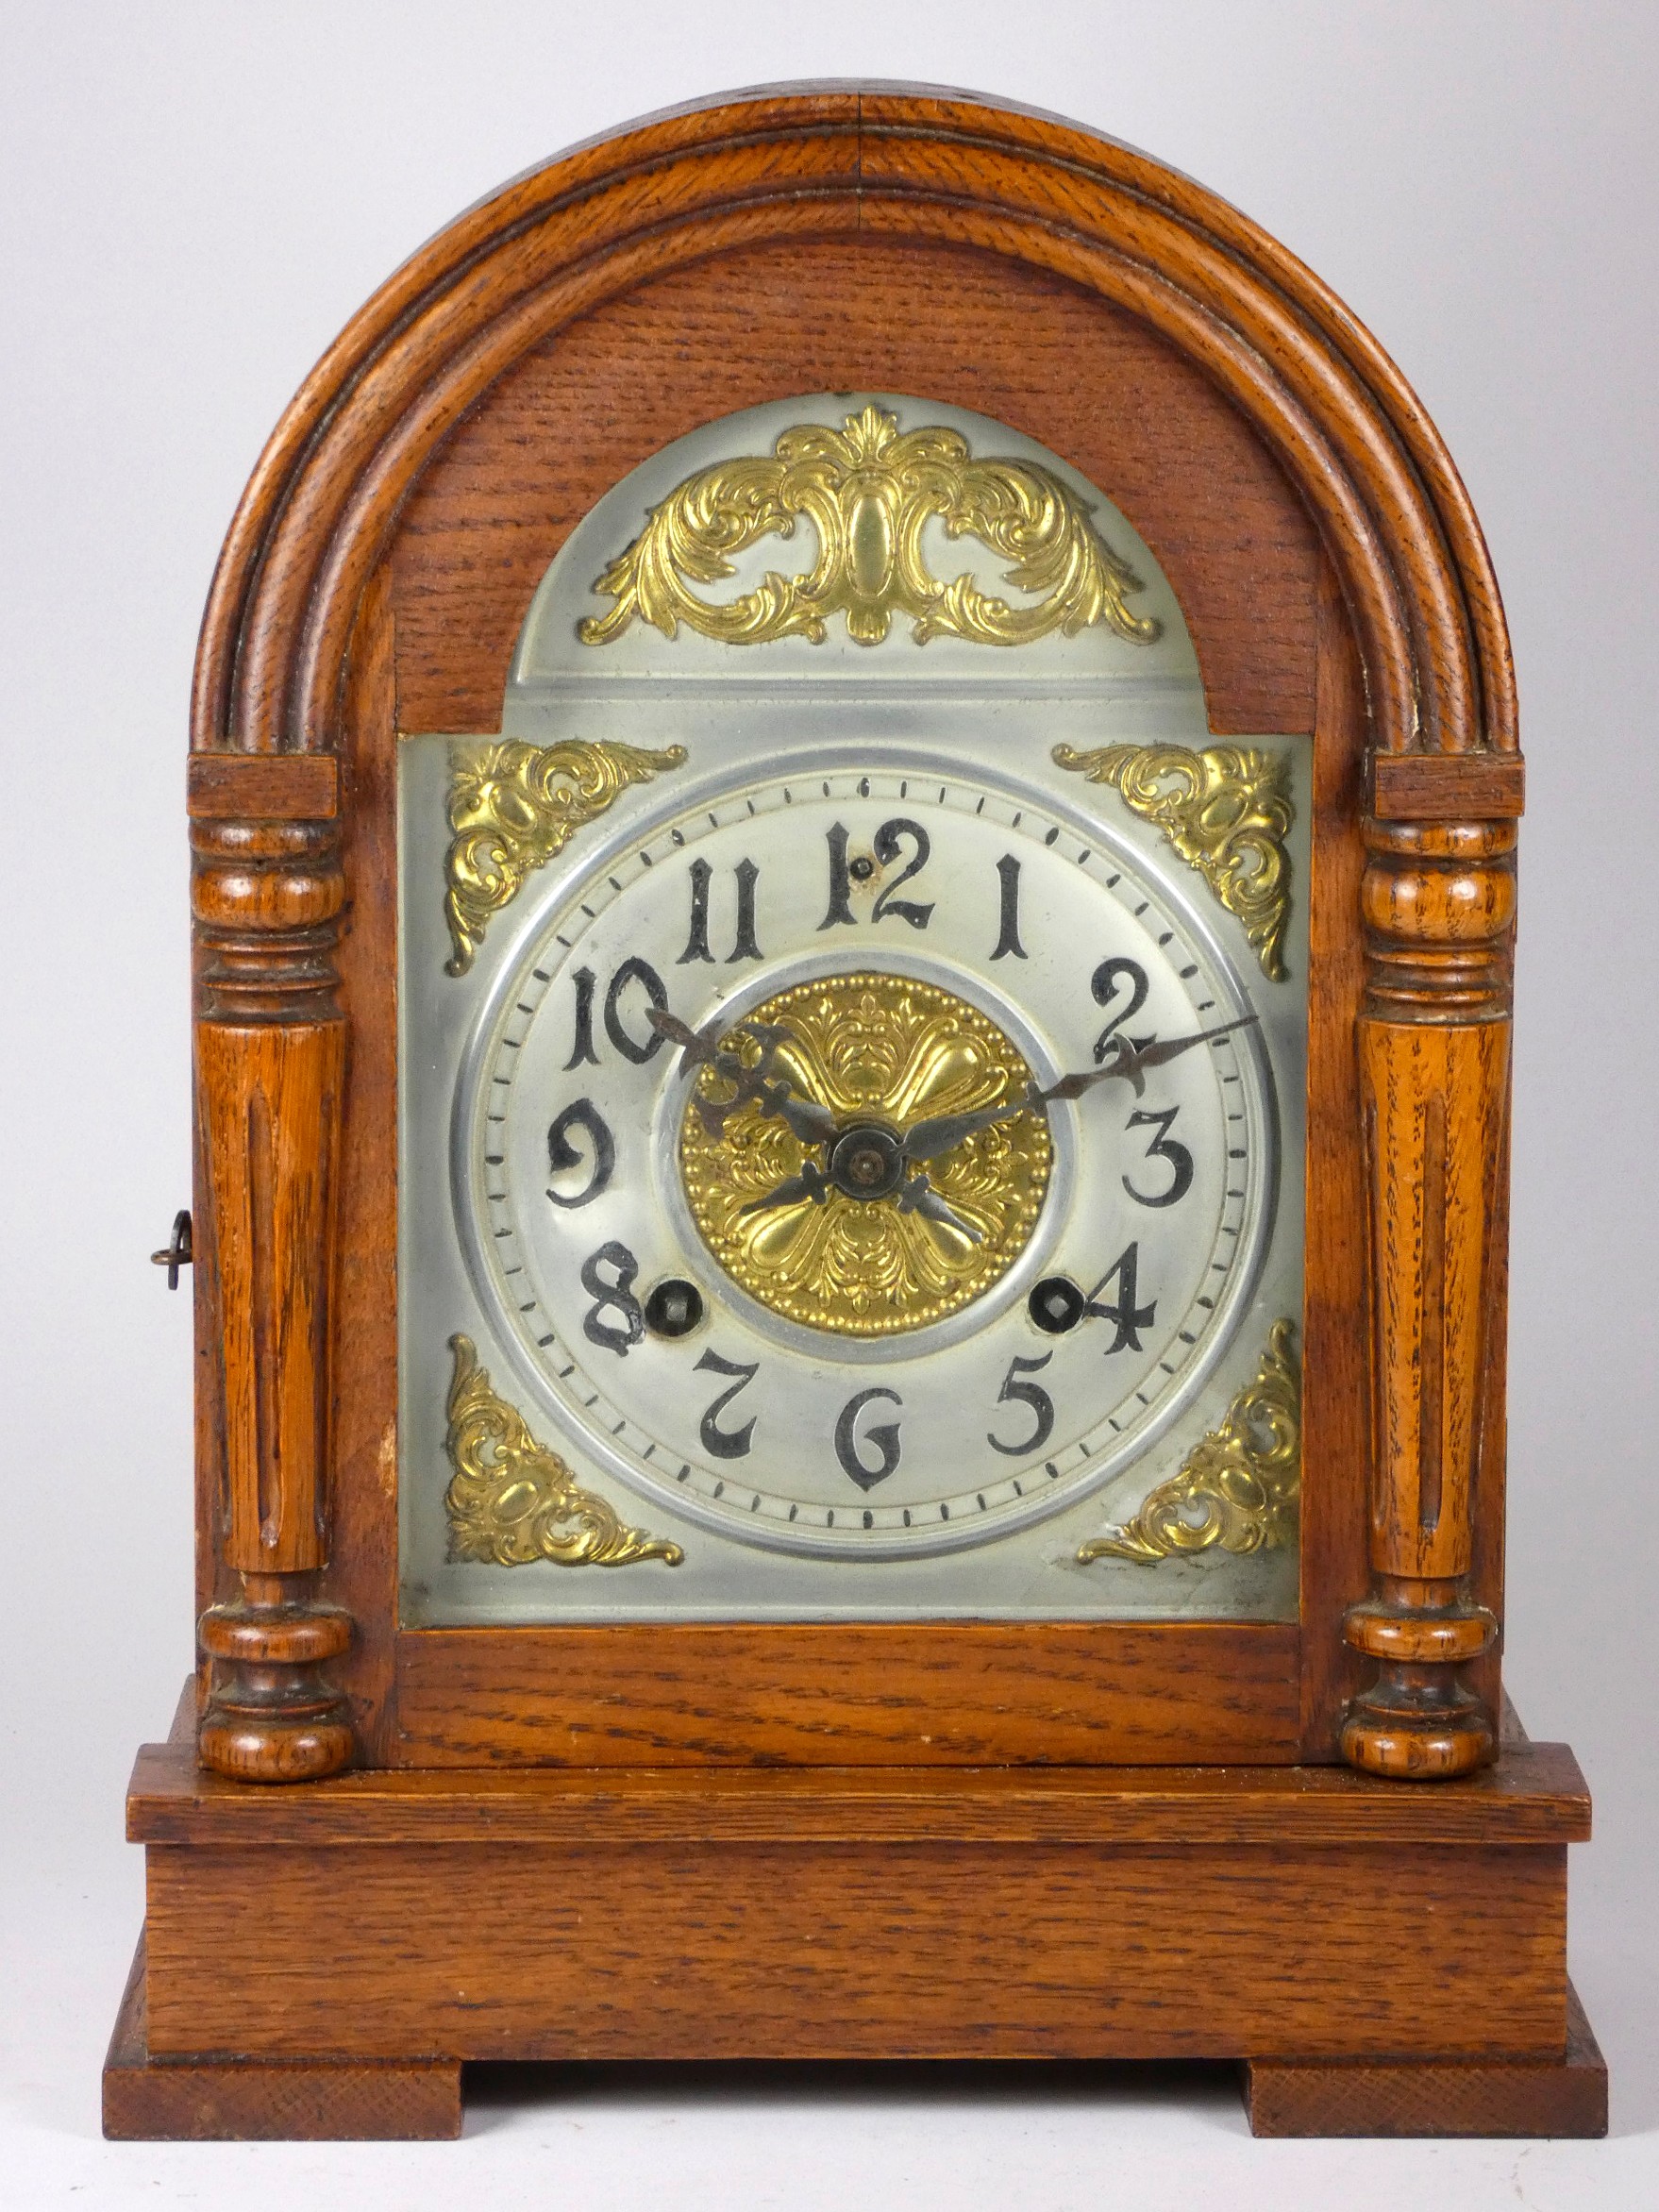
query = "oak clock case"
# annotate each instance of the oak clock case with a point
(905, 836)
(853, 803)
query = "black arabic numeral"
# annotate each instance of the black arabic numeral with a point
(882, 1434)
(612, 1296)
(1163, 1146)
(635, 970)
(1008, 910)
(1104, 983)
(582, 1049)
(562, 1155)
(889, 842)
(1014, 1392)
(727, 1443)
(839, 879)
(1129, 1317)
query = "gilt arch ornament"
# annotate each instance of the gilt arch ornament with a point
(882, 163)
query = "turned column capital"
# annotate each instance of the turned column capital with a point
(1438, 902)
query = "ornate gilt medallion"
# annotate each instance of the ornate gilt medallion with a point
(881, 1053)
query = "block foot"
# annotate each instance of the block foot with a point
(224, 2099)
(1536, 2097)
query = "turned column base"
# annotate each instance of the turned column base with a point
(249, 1746)
(270, 1716)
(1419, 1721)
(1407, 1730)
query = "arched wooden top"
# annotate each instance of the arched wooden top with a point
(840, 163)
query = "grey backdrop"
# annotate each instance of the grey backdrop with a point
(196, 195)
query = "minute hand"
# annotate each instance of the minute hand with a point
(1129, 1062)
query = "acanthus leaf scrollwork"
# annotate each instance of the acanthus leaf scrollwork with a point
(512, 807)
(869, 492)
(514, 1501)
(1226, 810)
(1239, 1488)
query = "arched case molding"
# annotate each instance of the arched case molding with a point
(1334, 581)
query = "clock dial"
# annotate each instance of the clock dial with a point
(823, 1152)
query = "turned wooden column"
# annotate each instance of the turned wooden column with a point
(269, 1060)
(1438, 900)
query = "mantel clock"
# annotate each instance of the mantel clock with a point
(854, 802)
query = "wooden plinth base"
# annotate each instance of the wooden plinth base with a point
(1382, 1958)
(228, 2100)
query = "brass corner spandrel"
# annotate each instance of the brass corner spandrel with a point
(512, 807)
(1239, 1487)
(512, 1500)
(1226, 810)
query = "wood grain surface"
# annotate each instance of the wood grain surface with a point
(876, 1949)
(497, 500)
(266, 892)
(923, 1839)
(380, 566)
(897, 1692)
(1535, 1796)
(363, 1562)
(853, 166)
(262, 787)
(1336, 1423)
(1438, 900)
(1094, 384)
(1448, 787)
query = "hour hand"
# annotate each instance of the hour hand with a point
(916, 1195)
(807, 1121)
(1129, 1062)
(810, 1183)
